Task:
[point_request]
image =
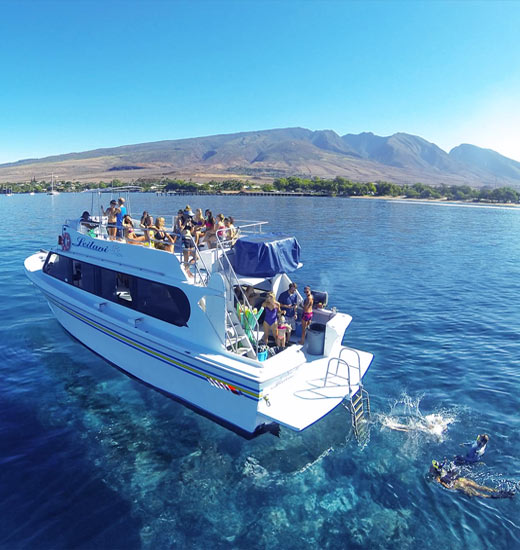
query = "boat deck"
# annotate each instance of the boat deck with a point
(309, 394)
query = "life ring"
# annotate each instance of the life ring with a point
(65, 245)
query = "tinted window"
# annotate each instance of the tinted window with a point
(107, 284)
(59, 267)
(164, 302)
(85, 276)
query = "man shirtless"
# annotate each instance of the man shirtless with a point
(307, 312)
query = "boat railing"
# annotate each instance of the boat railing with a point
(226, 268)
(340, 361)
(225, 238)
(248, 226)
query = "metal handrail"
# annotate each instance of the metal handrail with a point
(233, 274)
(339, 361)
(249, 224)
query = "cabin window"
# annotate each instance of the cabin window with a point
(107, 283)
(85, 276)
(164, 302)
(59, 267)
(123, 290)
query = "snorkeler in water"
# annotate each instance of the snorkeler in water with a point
(450, 479)
(478, 448)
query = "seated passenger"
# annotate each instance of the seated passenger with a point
(84, 221)
(162, 240)
(231, 233)
(145, 219)
(210, 239)
(178, 224)
(220, 228)
(198, 220)
(148, 226)
(187, 214)
(130, 236)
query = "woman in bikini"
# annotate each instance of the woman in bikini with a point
(162, 240)
(271, 308)
(307, 312)
(130, 235)
(210, 237)
(220, 228)
(111, 212)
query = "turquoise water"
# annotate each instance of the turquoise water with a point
(92, 459)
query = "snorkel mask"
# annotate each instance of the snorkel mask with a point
(436, 468)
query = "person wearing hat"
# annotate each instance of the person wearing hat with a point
(188, 214)
(112, 212)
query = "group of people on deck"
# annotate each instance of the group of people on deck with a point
(192, 229)
(281, 315)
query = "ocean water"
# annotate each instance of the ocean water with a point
(90, 458)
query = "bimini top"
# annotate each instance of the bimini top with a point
(265, 255)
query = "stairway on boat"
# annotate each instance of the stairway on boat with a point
(237, 341)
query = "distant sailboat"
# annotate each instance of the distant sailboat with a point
(52, 191)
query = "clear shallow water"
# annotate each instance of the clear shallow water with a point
(92, 459)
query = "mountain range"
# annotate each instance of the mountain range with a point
(264, 155)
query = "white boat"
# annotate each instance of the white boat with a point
(182, 328)
(52, 191)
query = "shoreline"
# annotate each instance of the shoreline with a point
(440, 201)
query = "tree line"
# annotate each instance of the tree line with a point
(343, 187)
(338, 186)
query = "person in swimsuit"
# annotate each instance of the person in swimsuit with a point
(478, 448)
(307, 312)
(231, 233)
(162, 240)
(271, 308)
(111, 212)
(220, 228)
(284, 331)
(130, 236)
(451, 480)
(210, 237)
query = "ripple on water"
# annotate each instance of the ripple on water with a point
(92, 459)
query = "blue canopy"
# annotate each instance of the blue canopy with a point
(266, 255)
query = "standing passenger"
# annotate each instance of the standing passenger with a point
(307, 312)
(271, 307)
(120, 216)
(289, 302)
(111, 212)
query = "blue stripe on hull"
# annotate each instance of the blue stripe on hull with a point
(185, 367)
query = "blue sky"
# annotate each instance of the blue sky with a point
(78, 75)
